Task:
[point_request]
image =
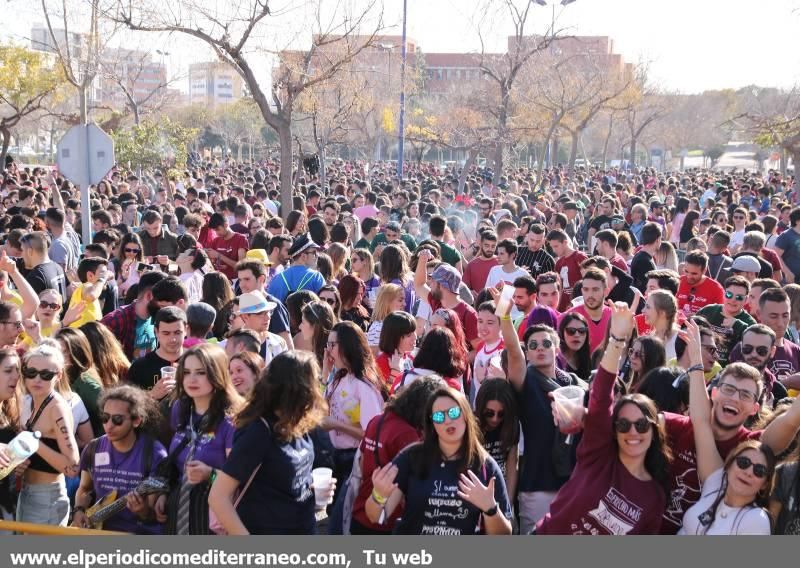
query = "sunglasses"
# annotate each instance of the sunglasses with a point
(116, 419)
(738, 217)
(133, 250)
(17, 324)
(744, 463)
(712, 349)
(44, 374)
(623, 425)
(454, 413)
(762, 350)
(45, 305)
(575, 331)
(739, 297)
(634, 354)
(533, 345)
(329, 301)
(489, 413)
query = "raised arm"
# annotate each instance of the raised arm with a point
(784, 429)
(30, 301)
(708, 458)
(421, 275)
(517, 366)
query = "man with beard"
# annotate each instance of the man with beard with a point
(145, 372)
(478, 268)
(442, 292)
(729, 320)
(697, 290)
(568, 265)
(593, 308)
(534, 257)
(132, 324)
(757, 350)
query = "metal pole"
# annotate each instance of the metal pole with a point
(86, 213)
(402, 135)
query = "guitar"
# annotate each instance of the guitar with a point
(110, 505)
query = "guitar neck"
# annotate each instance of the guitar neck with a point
(108, 511)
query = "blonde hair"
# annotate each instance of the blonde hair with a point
(387, 293)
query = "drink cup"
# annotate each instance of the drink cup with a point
(322, 477)
(168, 373)
(505, 299)
(568, 402)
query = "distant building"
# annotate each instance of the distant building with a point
(213, 83)
(68, 43)
(144, 78)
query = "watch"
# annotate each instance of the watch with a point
(492, 511)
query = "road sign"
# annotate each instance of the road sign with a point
(85, 155)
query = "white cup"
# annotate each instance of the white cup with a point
(322, 477)
(505, 299)
(569, 404)
(168, 373)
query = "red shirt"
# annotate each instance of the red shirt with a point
(466, 314)
(684, 484)
(620, 263)
(772, 257)
(692, 298)
(395, 435)
(477, 271)
(601, 496)
(229, 248)
(597, 330)
(569, 269)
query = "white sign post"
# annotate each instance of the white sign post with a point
(85, 156)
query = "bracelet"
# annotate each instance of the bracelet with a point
(378, 498)
(695, 368)
(505, 318)
(213, 477)
(617, 339)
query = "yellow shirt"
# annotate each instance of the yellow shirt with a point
(92, 311)
(15, 298)
(673, 364)
(27, 340)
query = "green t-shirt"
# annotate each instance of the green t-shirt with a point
(87, 387)
(449, 254)
(730, 335)
(380, 239)
(362, 244)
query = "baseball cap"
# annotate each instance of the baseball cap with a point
(746, 263)
(201, 314)
(255, 303)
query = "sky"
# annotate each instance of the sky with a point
(689, 45)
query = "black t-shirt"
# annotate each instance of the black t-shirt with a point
(432, 504)
(145, 371)
(48, 276)
(766, 268)
(641, 264)
(280, 499)
(7, 500)
(600, 222)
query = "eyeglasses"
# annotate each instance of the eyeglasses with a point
(712, 349)
(44, 374)
(45, 305)
(762, 350)
(730, 390)
(17, 324)
(329, 301)
(489, 413)
(738, 218)
(634, 353)
(744, 463)
(331, 344)
(454, 413)
(116, 419)
(623, 425)
(133, 250)
(739, 297)
(533, 345)
(575, 331)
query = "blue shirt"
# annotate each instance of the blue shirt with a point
(789, 242)
(145, 339)
(293, 279)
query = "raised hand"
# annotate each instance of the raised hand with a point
(621, 319)
(383, 480)
(473, 491)
(691, 335)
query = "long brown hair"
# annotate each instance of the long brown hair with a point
(225, 401)
(77, 352)
(288, 394)
(321, 317)
(427, 455)
(354, 349)
(9, 408)
(109, 359)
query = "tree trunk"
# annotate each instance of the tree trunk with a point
(633, 151)
(322, 166)
(573, 152)
(285, 140)
(498, 160)
(554, 152)
(6, 133)
(608, 139)
(550, 132)
(796, 164)
(462, 179)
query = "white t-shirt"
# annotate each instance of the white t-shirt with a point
(728, 520)
(737, 238)
(497, 274)
(374, 333)
(79, 412)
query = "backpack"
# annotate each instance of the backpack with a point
(147, 456)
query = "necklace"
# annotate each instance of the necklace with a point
(446, 458)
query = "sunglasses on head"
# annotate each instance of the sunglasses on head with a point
(762, 350)
(454, 413)
(533, 345)
(44, 374)
(739, 297)
(116, 419)
(575, 331)
(489, 413)
(44, 305)
(623, 425)
(744, 463)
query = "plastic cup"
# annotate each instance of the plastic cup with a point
(168, 373)
(322, 477)
(505, 299)
(569, 405)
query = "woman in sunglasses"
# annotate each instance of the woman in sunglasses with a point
(619, 485)
(126, 263)
(496, 409)
(573, 351)
(735, 490)
(646, 353)
(448, 484)
(330, 295)
(44, 499)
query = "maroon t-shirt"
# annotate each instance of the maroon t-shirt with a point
(466, 314)
(602, 497)
(477, 271)
(620, 263)
(395, 434)
(569, 269)
(692, 298)
(684, 483)
(229, 248)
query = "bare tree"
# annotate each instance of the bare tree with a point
(642, 105)
(232, 31)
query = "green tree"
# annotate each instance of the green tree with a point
(27, 85)
(153, 144)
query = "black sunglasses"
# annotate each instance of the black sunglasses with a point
(762, 350)
(489, 413)
(759, 469)
(116, 419)
(44, 305)
(623, 425)
(739, 297)
(44, 374)
(533, 345)
(575, 331)
(133, 250)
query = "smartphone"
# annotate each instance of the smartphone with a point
(142, 266)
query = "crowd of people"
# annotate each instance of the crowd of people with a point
(586, 352)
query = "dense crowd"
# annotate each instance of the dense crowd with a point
(588, 352)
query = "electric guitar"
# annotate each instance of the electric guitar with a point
(110, 505)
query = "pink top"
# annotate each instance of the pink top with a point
(602, 497)
(365, 211)
(597, 330)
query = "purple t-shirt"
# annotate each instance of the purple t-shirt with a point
(123, 471)
(211, 448)
(785, 362)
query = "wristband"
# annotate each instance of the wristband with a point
(213, 477)
(505, 318)
(378, 498)
(695, 368)
(617, 339)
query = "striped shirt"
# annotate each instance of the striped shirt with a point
(536, 262)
